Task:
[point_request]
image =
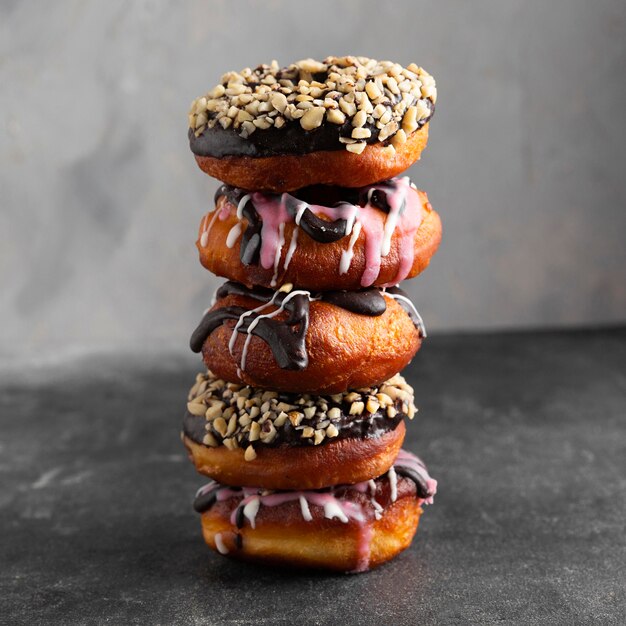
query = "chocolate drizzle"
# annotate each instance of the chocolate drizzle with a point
(410, 472)
(285, 337)
(320, 230)
(205, 500)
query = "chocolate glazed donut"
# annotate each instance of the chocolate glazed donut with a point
(242, 435)
(348, 121)
(301, 342)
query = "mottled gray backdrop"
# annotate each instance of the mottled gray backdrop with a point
(101, 197)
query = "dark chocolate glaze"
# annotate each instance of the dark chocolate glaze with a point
(320, 230)
(350, 427)
(240, 518)
(204, 501)
(409, 472)
(366, 302)
(289, 140)
(285, 337)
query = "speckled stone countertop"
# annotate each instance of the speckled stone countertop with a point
(526, 434)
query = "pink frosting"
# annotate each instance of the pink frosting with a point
(403, 220)
(273, 212)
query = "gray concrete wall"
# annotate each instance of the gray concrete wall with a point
(101, 197)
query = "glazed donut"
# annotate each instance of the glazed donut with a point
(348, 528)
(292, 340)
(321, 238)
(240, 435)
(348, 121)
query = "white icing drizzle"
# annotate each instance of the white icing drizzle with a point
(393, 483)
(241, 205)
(292, 247)
(233, 336)
(303, 206)
(333, 510)
(351, 218)
(233, 235)
(220, 545)
(251, 509)
(304, 508)
(378, 509)
(204, 238)
(346, 255)
(279, 251)
(390, 226)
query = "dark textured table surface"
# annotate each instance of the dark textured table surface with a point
(525, 432)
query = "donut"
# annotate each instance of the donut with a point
(346, 528)
(320, 238)
(296, 341)
(241, 435)
(348, 121)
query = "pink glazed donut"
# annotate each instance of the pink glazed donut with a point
(320, 238)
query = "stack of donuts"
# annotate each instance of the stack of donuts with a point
(299, 419)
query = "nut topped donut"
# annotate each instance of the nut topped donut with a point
(293, 340)
(348, 121)
(320, 238)
(243, 435)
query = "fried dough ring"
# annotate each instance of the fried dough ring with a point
(282, 537)
(314, 266)
(345, 350)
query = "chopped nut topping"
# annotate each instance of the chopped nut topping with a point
(220, 426)
(399, 138)
(409, 121)
(196, 408)
(334, 413)
(249, 454)
(361, 133)
(331, 431)
(368, 94)
(307, 432)
(359, 119)
(238, 416)
(334, 116)
(372, 406)
(356, 408)
(210, 440)
(312, 118)
(357, 148)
